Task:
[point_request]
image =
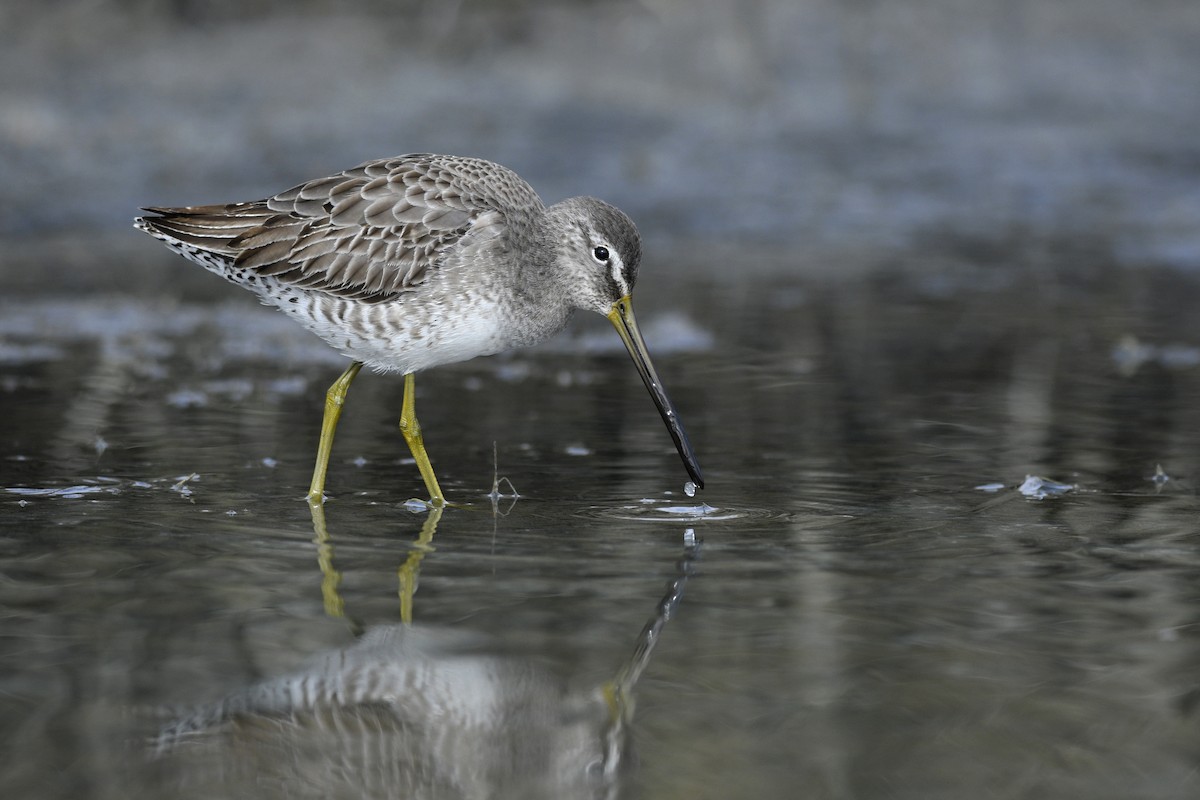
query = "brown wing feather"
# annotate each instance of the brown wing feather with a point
(370, 232)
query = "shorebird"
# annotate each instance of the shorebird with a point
(411, 262)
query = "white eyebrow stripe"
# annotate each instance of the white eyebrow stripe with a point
(617, 272)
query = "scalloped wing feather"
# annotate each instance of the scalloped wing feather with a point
(370, 232)
(376, 230)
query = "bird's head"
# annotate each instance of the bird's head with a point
(598, 249)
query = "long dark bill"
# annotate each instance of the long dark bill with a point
(621, 316)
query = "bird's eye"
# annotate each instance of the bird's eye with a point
(600, 253)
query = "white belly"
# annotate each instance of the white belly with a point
(399, 336)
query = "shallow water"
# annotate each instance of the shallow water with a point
(861, 604)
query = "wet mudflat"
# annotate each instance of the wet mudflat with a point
(862, 603)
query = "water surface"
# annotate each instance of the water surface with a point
(843, 612)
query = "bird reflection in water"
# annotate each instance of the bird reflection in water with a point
(412, 711)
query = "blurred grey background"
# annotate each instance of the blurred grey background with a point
(818, 135)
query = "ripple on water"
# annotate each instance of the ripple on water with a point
(650, 510)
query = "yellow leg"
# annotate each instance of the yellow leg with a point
(334, 399)
(412, 434)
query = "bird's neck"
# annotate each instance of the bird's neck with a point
(541, 292)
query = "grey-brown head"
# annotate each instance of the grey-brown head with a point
(597, 251)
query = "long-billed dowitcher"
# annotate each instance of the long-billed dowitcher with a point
(411, 262)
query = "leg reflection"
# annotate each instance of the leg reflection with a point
(406, 575)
